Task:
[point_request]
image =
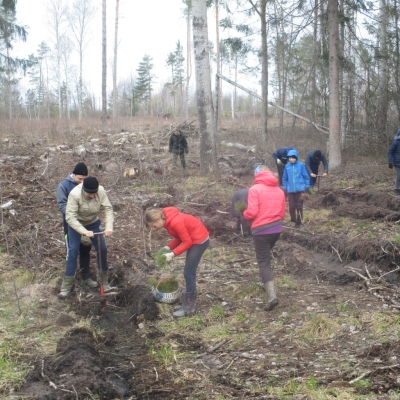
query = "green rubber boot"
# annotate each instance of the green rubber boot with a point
(66, 286)
(272, 300)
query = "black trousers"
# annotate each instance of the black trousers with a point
(263, 245)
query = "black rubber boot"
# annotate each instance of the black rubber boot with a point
(188, 305)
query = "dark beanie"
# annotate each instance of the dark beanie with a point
(91, 184)
(80, 169)
(317, 154)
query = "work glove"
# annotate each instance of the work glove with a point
(279, 162)
(165, 249)
(169, 256)
(390, 165)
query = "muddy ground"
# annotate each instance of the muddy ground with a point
(338, 267)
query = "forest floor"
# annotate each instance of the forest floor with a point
(334, 335)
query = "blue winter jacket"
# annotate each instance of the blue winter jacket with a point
(281, 154)
(394, 153)
(295, 176)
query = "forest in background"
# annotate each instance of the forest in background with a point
(297, 46)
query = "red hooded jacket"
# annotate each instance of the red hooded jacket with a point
(186, 230)
(266, 203)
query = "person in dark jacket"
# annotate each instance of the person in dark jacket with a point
(281, 160)
(178, 147)
(313, 159)
(240, 197)
(64, 188)
(394, 159)
(295, 182)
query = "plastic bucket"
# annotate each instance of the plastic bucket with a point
(164, 296)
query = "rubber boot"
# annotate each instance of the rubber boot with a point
(90, 282)
(272, 300)
(188, 305)
(106, 285)
(66, 286)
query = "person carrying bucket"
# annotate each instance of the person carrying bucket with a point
(82, 215)
(190, 235)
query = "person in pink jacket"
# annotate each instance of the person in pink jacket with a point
(266, 209)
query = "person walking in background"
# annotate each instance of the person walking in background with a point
(85, 202)
(394, 159)
(75, 178)
(190, 235)
(266, 211)
(295, 182)
(281, 160)
(178, 147)
(313, 159)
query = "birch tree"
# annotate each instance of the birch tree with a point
(205, 110)
(80, 15)
(57, 14)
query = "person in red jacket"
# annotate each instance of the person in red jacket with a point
(190, 235)
(266, 207)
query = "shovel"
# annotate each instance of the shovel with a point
(100, 263)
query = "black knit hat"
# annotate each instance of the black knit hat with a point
(91, 184)
(317, 154)
(80, 169)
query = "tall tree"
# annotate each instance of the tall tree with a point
(80, 15)
(144, 82)
(188, 15)
(205, 109)
(115, 90)
(57, 18)
(335, 159)
(104, 66)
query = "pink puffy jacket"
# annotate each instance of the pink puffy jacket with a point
(266, 202)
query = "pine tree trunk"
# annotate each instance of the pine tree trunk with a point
(115, 60)
(264, 70)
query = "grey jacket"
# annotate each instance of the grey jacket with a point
(82, 211)
(63, 193)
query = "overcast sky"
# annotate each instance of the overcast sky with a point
(145, 27)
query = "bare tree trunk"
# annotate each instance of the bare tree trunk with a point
(104, 68)
(188, 60)
(334, 127)
(205, 110)
(217, 81)
(382, 109)
(115, 61)
(314, 66)
(264, 70)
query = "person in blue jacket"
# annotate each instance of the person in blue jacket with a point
(394, 159)
(313, 159)
(281, 160)
(295, 181)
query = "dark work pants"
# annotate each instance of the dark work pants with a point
(314, 170)
(74, 240)
(263, 245)
(280, 168)
(182, 157)
(296, 207)
(84, 254)
(193, 257)
(243, 225)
